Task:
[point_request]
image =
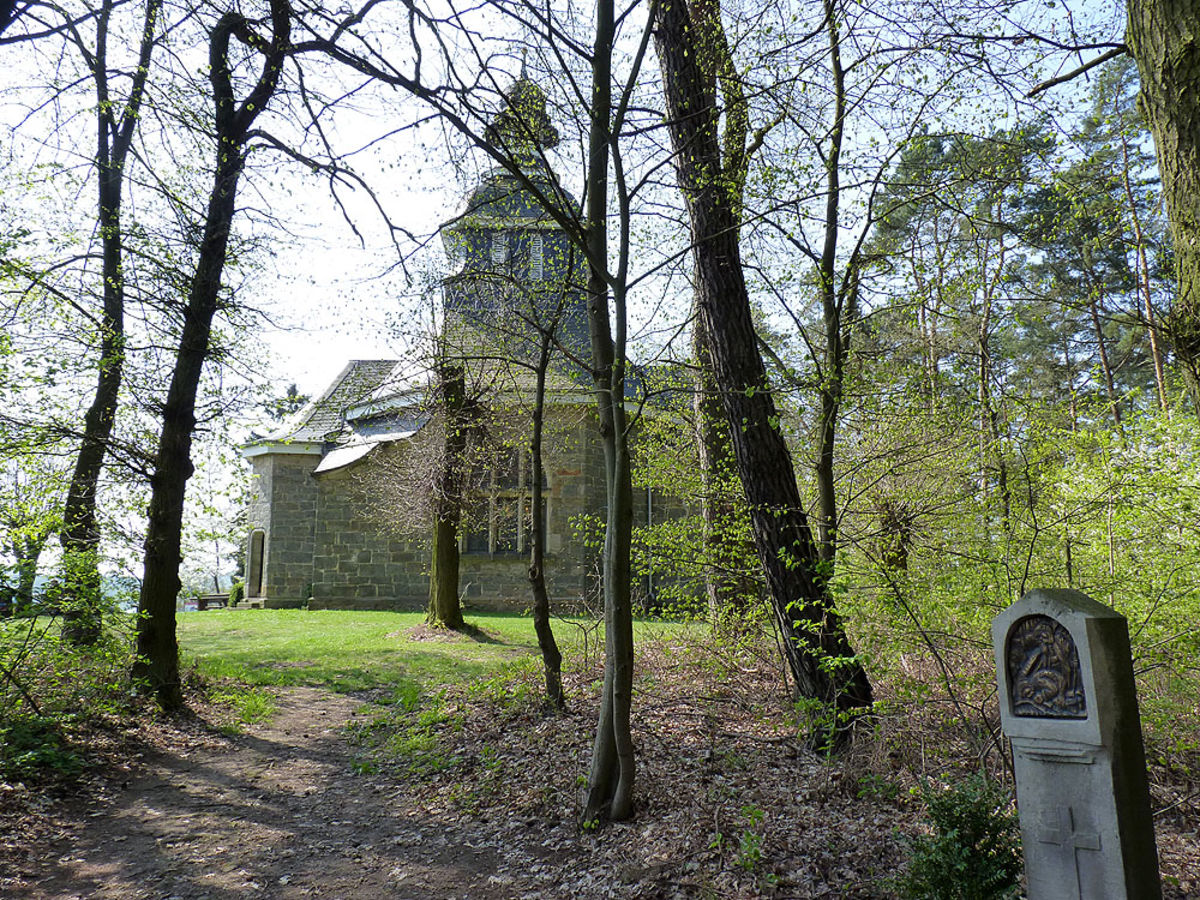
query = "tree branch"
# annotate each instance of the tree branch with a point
(1119, 50)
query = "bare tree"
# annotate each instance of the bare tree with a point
(233, 119)
(610, 783)
(117, 121)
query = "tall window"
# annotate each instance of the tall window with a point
(535, 257)
(502, 515)
(499, 248)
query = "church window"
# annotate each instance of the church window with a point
(477, 538)
(501, 518)
(508, 534)
(500, 248)
(535, 257)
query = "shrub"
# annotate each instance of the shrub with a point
(974, 851)
(31, 747)
(49, 689)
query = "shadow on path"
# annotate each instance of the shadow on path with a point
(276, 813)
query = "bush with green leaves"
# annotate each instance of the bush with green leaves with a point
(931, 554)
(34, 747)
(49, 687)
(974, 850)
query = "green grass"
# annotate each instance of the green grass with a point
(251, 705)
(342, 650)
(353, 651)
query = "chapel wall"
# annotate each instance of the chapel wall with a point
(357, 563)
(283, 505)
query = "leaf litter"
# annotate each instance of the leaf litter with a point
(475, 792)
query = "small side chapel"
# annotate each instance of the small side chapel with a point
(317, 539)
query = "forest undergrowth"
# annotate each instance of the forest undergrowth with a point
(731, 804)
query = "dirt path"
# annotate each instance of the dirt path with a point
(275, 812)
(730, 806)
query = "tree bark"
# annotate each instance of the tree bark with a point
(8, 13)
(837, 311)
(815, 642)
(715, 455)
(611, 778)
(26, 551)
(1142, 279)
(157, 663)
(551, 655)
(1110, 385)
(445, 610)
(711, 429)
(1164, 37)
(80, 535)
(989, 414)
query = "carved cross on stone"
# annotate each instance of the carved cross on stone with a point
(1058, 828)
(1068, 703)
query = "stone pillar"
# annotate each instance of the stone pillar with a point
(1069, 706)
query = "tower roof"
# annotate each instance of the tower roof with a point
(523, 131)
(523, 127)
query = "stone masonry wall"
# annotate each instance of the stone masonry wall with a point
(283, 505)
(327, 545)
(358, 564)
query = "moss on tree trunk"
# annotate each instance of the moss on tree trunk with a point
(445, 610)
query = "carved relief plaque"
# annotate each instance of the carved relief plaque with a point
(1043, 670)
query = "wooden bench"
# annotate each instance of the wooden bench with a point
(211, 601)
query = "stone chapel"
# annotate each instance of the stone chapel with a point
(316, 536)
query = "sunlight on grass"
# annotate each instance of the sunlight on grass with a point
(349, 651)
(252, 705)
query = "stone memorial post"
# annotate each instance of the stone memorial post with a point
(1069, 706)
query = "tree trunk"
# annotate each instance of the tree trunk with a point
(158, 652)
(1164, 37)
(815, 643)
(1110, 385)
(989, 418)
(157, 663)
(611, 778)
(837, 309)
(8, 13)
(26, 551)
(80, 535)
(1143, 283)
(713, 446)
(445, 610)
(715, 454)
(551, 656)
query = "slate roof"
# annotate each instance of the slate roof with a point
(324, 417)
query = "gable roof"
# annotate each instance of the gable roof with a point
(324, 417)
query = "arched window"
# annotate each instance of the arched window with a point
(254, 562)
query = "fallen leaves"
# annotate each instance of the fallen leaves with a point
(730, 804)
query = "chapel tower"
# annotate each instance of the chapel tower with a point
(515, 270)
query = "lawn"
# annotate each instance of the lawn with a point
(352, 651)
